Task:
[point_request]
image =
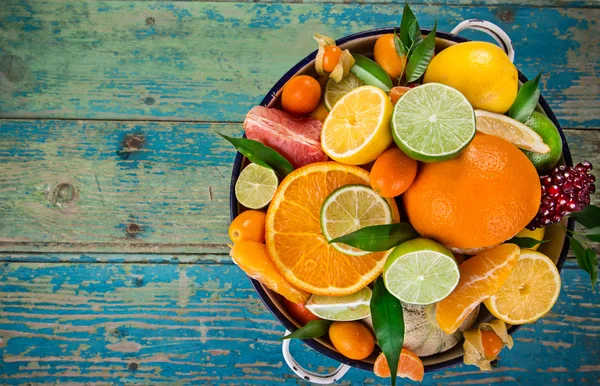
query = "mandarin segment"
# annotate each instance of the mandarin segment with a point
(410, 366)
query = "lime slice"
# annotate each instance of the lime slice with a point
(371, 73)
(334, 91)
(512, 130)
(341, 308)
(420, 271)
(349, 208)
(433, 122)
(256, 186)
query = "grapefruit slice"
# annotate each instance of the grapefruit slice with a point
(298, 139)
(296, 243)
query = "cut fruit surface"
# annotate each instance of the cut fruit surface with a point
(334, 91)
(341, 308)
(529, 292)
(350, 208)
(255, 186)
(480, 277)
(410, 366)
(433, 122)
(357, 129)
(511, 130)
(295, 240)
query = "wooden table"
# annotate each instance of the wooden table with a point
(114, 184)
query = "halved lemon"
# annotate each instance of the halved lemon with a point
(529, 292)
(511, 130)
(357, 129)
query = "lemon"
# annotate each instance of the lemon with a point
(512, 130)
(357, 129)
(529, 292)
(537, 234)
(481, 71)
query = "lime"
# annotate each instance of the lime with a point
(433, 122)
(420, 271)
(542, 125)
(350, 208)
(334, 91)
(510, 129)
(256, 186)
(341, 308)
(371, 73)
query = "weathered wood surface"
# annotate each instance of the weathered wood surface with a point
(188, 324)
(71, 186)
(212, 61)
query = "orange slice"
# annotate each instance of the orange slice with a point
(295, 241)
(480, 277)
(410, 366)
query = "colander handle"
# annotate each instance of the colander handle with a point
(320, 379)
(491, 29)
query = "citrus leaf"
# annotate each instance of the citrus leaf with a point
(261, 155)
(410, 32)
(586, 259)
(388, 324)
(400, 49)
(421, 56)
(526, 101)
(526, 242)
(594, 234)
(588, 217)
(378, 238)
(312, 329)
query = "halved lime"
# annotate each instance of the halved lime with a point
(350, 208)
(433, 122)
(334, 91)
(256, 186)
(420, 271)
(341, 308)
(371, 73)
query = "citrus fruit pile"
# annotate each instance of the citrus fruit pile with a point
(356, 139)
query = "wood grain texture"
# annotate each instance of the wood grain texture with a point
(187, 324)
(213, 61)
(71, 186)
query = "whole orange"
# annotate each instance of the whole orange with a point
(248, 226)
(301, 94)
(392, 173)
(479, 199)
(352, 339)
(386, 56)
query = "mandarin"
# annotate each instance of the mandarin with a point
(386, 56)
(479, 199)
(352, 339)
(301, 95)
(392, 173)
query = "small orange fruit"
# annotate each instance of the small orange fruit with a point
(253, 259)
(386, 56)
(397, 92)
(410, 366)
(299, 312)
(248, 226)
(352, 339)
(479, 199)
(492, 344)
(480, 277)
(301, 94)
(392, 173)
(331, 58)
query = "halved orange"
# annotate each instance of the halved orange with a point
(410, 366)
(295, 241)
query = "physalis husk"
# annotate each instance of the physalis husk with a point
(473, 346)
(345, 63)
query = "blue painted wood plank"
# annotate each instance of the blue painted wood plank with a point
(189, 324)
(213, 61)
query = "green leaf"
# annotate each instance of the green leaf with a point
(410, 32)
(388, 324)
(378, 238)
(421, 56)
(588, 217)
(586, 259)
(262, 155)
(312, 329)
(526, 101)
(526, 242)
(400, 49)
(594, 234)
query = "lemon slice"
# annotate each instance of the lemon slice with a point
(511, 130)
(256, 186)
(529, 292)
(341, 308)
(357, 129)
(350, 208)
